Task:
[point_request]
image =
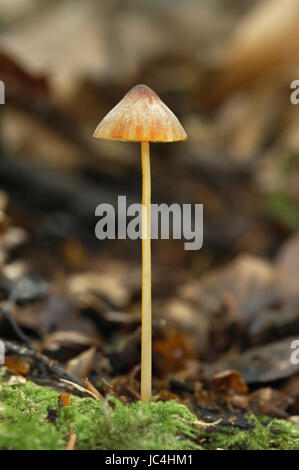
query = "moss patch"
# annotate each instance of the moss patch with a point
(24, 422)
(265, 434)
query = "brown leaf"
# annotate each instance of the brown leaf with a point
(261, 364)
(270, 402)
(17, 365)
(80, 365)
(172, 350)
(229, 382)
(54, 341)
(264, 41)
(244, 287)
(109, 286)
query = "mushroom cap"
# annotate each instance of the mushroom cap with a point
(140, 117)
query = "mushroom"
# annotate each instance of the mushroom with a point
(142, 117)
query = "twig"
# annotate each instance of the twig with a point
(28, 350)
(50, 364)
(133, 374)
(79, 387)
(107, 386)
(72, 440)
(133, 392)
(88, 385)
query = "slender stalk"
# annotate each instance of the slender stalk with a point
(146, 313)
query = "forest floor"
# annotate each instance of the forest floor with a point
(225, 317)
(38, 418)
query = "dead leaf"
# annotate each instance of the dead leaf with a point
(270, 402)
(172, 349)
(249, 283)
(16, 380)
(109, 286)
(229, 382)
(17, 365)
(261, 364)
(80, 366)
(54, 341)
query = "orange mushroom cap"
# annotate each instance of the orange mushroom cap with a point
(140, 117)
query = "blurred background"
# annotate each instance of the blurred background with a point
(224, 67)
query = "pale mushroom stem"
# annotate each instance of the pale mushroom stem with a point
(146, 311)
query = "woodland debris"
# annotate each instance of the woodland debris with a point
(89, 386)
(72, 440)
(260, 364)
(53, 367)
(80, 365)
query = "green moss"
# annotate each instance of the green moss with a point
(152, 426)
(112, 425)
(264, 435)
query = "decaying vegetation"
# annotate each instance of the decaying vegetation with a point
(225, 316)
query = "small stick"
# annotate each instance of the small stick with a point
(24, 351)
(133, 374)
(72, 440)
(91, 388)
(132, 392)
(79, 387)
(28, 350)
(108, 388)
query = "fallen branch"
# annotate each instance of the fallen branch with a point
(50, 364)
